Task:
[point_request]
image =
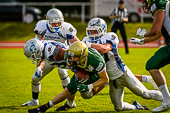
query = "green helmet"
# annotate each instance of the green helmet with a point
(79, 49)
(146, 5)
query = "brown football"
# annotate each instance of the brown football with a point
(82, 74)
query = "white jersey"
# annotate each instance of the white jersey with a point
(114, 64)
(51, 52)
(67, 31)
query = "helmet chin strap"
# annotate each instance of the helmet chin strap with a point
(56, 29)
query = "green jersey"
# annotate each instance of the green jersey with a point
(163, 5)
(94, 64)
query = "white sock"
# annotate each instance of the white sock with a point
(51, 104)
(127, 106)
(71, 103)
(35, 100)
(144, 78)
(165, 92)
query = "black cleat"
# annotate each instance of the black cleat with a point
(65, 107)
(36, 110)
(139, 106)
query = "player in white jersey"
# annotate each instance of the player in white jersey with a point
(53, 28)
(120, 75)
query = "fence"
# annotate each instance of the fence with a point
(53, 4)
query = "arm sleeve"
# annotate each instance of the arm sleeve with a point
(113, 12)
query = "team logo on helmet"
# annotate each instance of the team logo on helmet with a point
(32, 47)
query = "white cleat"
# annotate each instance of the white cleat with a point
(163, 107)
(31, 103)
(150, 80)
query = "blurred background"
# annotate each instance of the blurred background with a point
(19, 17)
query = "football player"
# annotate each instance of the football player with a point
(120, 76)
(160, 11)
(53, 28)
(77, 56)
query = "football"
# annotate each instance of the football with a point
(82, 75)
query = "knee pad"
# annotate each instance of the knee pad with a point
(36, 80)
(87, 94)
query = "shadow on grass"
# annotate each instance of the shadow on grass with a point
(12, 107)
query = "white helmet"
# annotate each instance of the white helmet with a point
(97, 24)
(33, 49)
(54, 16)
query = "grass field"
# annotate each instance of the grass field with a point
(15, 83)
(12, 31)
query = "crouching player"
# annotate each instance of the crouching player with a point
(77, 56)
(120, 76)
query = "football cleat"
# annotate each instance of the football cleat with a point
(65, 107)
(31, 103)
(163, 107)
(36, 110)
(139, 106)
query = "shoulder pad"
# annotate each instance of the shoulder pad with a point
(110, 37)
(40, 27)
(68, 29)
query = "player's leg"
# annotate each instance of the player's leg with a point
(57, 99)
(36, 85)
(132, 83)
(65, 80)
(146, 78)
(70, 89)
(116, 96)
(153, 65)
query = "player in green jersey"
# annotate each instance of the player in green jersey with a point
(80, 56)
(160, 10)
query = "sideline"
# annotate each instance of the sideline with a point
(20, 44)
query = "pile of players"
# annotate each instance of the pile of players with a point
(56, 45)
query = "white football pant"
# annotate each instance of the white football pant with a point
(128, 80)
(36, 81)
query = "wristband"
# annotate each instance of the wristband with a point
(90, 86)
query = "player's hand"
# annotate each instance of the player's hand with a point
(137, 41)
(82, 87)
(38, 72)
(141, 32)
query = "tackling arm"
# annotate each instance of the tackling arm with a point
(73, 39)
(104, 79)
(103, 48)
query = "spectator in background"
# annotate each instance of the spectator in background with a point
(119, 16)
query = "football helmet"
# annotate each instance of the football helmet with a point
(33, 50)
(79, 49)
(54, 16)
(146, 5)
(96, 24)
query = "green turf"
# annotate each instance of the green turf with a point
(15, 83)
(13, 31)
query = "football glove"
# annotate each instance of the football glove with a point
(137, 41)
(38, 72)
(141, 32)
(84, 88)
